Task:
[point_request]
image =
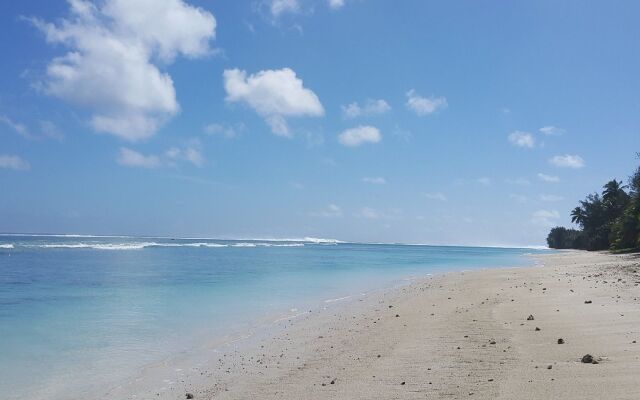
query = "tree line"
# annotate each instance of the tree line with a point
(606, 220)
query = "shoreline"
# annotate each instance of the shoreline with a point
(452, 335)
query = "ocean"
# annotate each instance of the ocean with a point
(79, 314)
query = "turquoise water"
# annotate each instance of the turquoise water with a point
(80, 312)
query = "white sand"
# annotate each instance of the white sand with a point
(457, 336)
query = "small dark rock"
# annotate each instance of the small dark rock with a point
(588, 302)
(561, 341)
(189, 395)
(530, 318)
(549, 366)
(537, 329)
(397, 315)
(587, 359)
(402, 383)
(333, 382)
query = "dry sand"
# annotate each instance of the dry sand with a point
(455, 336)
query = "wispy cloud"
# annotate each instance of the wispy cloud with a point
(331, 211)
(545, 218)
(224, 130)
(378, 180)
(425, 105)
(568, 161)
(370, 107)
(518, 181)
(552, 130)
(484, 181)
(551, 197)
(14, 162)
(439, 196)
(131, 158)
(548, 178)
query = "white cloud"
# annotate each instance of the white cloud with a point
(552, 130)
(423, 105)
(13, 162)
(436, 196)
(548, 178)
(274, 95)
(191, 154)
(362, 134)
(279, 7)
(336, 4)
(131, 158)
(331, 211)
(110, 67)
(545, 217)
(484, 181)
(370, 107)
(522, 139)
(568, 161)
(551, 197)
(50, 130)
(226, 131)
(19, 128)
(375, 180)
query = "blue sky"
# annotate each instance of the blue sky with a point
(416, 121)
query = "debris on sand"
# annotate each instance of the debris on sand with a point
(530, 318)
(588, 302)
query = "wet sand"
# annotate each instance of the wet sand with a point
(455, 336)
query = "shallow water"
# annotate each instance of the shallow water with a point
(78, 313)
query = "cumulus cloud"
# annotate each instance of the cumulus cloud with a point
(336, 4)
(545, 217)
(548, 178)
(111, 66)
(568, 161)
(378, 180)
(13, 162)
(424, 105)
(362, 134)
(274, 95)
(436, 196)
(370, 107)
(522, 139)
(552, 130)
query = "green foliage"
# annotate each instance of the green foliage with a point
(563, 238)
(610, 220)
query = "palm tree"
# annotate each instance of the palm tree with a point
(578, 216)
(613, 191)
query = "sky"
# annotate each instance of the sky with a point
(437, 122)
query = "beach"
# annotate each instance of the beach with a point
(456, 335)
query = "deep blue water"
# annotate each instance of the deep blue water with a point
(96, 310)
